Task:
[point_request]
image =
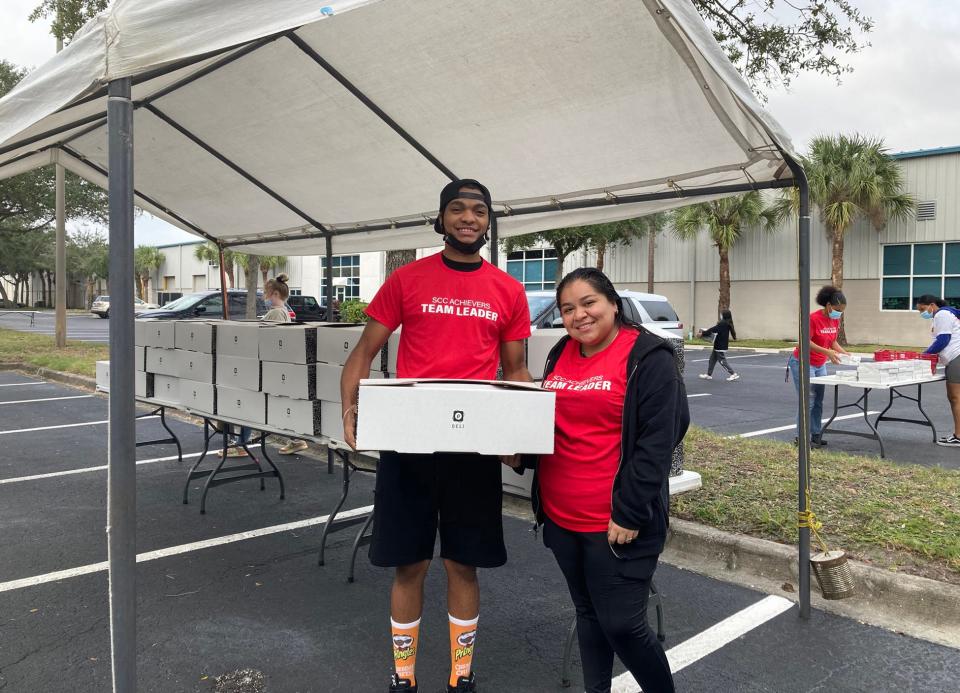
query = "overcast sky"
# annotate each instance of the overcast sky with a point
(903, 89)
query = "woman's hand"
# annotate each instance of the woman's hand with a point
(620, 535)
(833, 356)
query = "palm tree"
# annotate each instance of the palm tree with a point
(209, 252)
(851, 176)
(725, 220)
(271, 262)
(146, 260)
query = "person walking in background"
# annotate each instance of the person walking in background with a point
(946, 345)
(724, 331)
(824, 328)
(603, 495)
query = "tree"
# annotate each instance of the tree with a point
(271, 262)
(209, 252)
(146, 260)
(564, 241)
(396, 259)
(249, 264)
(768, 51)
(88, 257)
(725, 220)
(68, 15)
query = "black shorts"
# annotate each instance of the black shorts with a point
(459, 494)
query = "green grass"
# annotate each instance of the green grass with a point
(39, 351)
(900, 517)
(787, 344)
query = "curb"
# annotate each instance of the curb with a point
(72, 379)
(917, 606)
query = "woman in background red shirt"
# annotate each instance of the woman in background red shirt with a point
(603, 495)
(824, 329)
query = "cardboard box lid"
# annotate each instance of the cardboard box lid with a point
(410, 382)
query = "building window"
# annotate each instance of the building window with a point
(295, 292)
(535, 269)
(346, 277)
(911, 270)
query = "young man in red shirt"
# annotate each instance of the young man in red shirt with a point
(461, 316)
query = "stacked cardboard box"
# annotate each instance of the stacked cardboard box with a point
(884, 372)
(195, 343)
(238, 375)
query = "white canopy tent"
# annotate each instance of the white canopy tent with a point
(285, 127)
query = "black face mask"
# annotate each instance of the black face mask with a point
(465, 248)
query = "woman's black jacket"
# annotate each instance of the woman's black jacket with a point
(655, 419)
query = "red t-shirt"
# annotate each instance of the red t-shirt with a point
(823, 333)
(576, 481)
(453, 321)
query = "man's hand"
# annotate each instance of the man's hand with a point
(512, 461)
(350, 427)
(620, 535)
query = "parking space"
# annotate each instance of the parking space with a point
(83, 327)
(240, 587)
(761, 403)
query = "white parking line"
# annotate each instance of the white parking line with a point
(50, 428)
(699, 394)
(177, 550)
(745, 356)
(752, 434)
(46, 399)
(22, 384)
(713, 638)
(86, 470)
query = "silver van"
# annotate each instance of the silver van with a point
(647, 309)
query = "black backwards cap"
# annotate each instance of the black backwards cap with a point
(451, 191)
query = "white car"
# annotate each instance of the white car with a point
(101, 306)
(650, 310)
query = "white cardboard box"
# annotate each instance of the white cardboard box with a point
(335, 342)
(201, 397)
(539, 345)
(163, 361)
(297, 415)
(196, 365)
(140, 332)
(196, 335)
(143, 384)
(239, 338)
(304, 381)
(157, 333)
(103, 376)
(166, 389)
(288, 343)
(331, 420)
(423, 416)
(238, 371)
(140, 358)
(242, 405)
(393, 348)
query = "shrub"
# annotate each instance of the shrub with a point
(352, 311)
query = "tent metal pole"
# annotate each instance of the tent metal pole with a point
(494, 246)
(223, 285)
(121, 479)
(328, 279)
(60, 268)
(803, 435)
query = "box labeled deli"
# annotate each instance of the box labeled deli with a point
(539, 345)
(166, 389)
(304, 381)
(430, 415)
(297, 415)
(103, 376)
(331, 420)
(392, 348)
(157, 333)
(196, 335)
(336, 341)
(162, 361)
(196, 365)
(143, 384)
(289, 343)
(140, 332)
(239, 338)
(140, 358)
(241, 405)
(197, 396)
(239, 372)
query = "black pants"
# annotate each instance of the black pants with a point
(718, 357)
(610, 596)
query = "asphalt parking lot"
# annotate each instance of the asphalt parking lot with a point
(239, 587)
(84, 327)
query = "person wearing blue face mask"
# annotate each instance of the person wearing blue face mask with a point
(946, 344)
(824, 329)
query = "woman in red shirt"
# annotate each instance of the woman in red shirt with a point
(603, 495)
(824, 328)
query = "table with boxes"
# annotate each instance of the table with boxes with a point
(890, 371)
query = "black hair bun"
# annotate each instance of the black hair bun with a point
(282, 278)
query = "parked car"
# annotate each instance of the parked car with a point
(206, 304)
(308, 308)
(101, 306)
(650, 310)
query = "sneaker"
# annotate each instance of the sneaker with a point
(235, 452)
(818, 440)
(950, 441)
(706, 377)
(465, 684)
(398, 685)
(292, 447)
(734, 376)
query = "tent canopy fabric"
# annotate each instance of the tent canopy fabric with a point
(272, 126)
